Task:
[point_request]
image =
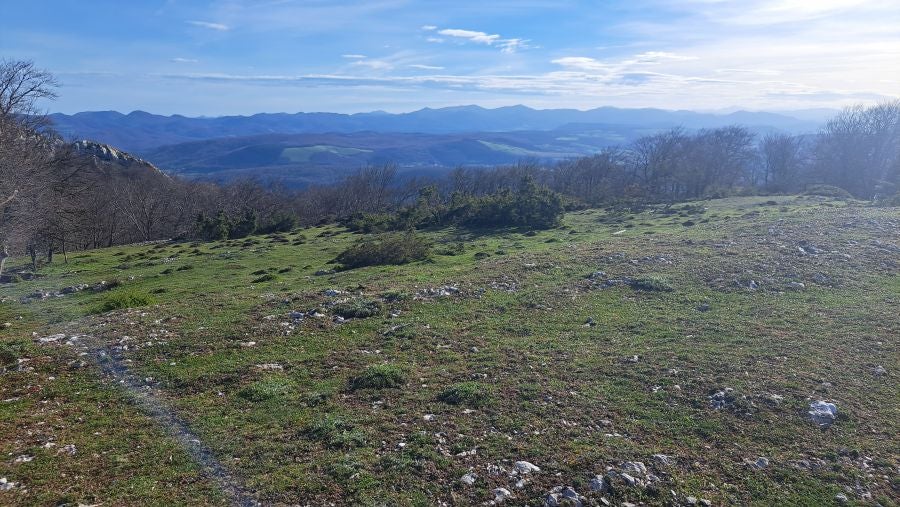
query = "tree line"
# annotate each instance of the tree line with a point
(55, 198)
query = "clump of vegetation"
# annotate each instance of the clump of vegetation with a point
(274, 386)
(651, 284)
(122, 299)
(385, 249)
(357, 308)
(10, 352)
(268, 277)
(335, 432)
(828, 191)
(379, 376)
(472, 394)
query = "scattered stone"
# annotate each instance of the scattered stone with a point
(501, 495)
(324, 272)
(635, 467)
(631, 359)
(590, 322)
(822, 413)
(722, 399)
(6, 485)
(880, 371)
(7, 325)
(52, 338)
(663, 459)
(559, 496)
(69, 449)
(629, 479)
(525, 468)
(760, 463)
(468, 479)
(270, 366)
(429, 417)
(599, 484)
(332, 292)
(796, 286)
(841, 498)
(704, 307)
(25, 458)
(691, 500)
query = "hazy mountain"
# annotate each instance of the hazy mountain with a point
(301, 159)
(140, 131)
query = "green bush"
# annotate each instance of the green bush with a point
(828, 191)
(268, 277)
(385, 249)
(357, 308)
(9, 354)
(335, 432)
(472, 394)
(651, 284)
(122, 299)
(379, 376)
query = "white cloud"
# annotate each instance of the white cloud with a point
(353, 56)
(374, 64)
(505, 45)
(429, 28)
(425, 67)
(212, 26)
(183, 60)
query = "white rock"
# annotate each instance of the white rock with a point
(429, 417)
(524, 467)
(599, 484)
(6, 485)
(761, 463)
(822, 413)
(468, 479)
(635, 467)
(501, 495)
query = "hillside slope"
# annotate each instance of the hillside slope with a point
(660, 357)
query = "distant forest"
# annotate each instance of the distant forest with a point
(55, 198)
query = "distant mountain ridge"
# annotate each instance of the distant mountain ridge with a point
(141, 132)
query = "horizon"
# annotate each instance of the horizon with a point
(234, 57)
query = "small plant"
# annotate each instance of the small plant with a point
(385, 249)
(10, 354)
(267, 388)
(472, 394)
(268, 277)
(122, 299)
(335, 432)
(379, 376)
(357, 309)
(651, 284)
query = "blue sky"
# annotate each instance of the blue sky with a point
(247, 56)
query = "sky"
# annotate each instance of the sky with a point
(226, 57)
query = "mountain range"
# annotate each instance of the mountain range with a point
(305, 148)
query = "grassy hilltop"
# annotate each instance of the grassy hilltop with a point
(666, 350)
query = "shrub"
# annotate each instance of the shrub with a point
(335, 432)
(379, 376)
(122, 299)
(385, 249)
(651, 284)
(371, 222)
(268, 277)
(472, 394)
(357, 308)
(828, 191)
(10, 354)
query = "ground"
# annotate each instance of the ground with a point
(671, 348)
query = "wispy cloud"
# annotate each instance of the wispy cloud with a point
(184, 60)
(210, 25)
(353, 56)
(425, 67)
(510, 45)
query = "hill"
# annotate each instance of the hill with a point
(139, 131)
(663, 356)
(301, 159)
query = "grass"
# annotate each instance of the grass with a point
(379, 376)
(393, 408)
(122, 299)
